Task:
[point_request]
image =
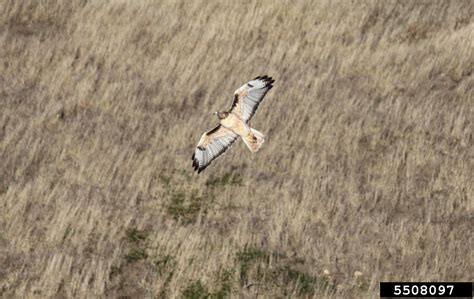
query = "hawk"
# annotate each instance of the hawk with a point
(234, 124)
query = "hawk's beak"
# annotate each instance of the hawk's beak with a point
(215, 113)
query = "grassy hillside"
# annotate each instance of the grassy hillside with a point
(366, 173)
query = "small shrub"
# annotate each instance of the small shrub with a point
(225, 282)
(304, 282)
(186, 208)
(164, 179)
(135, 236)
(196, 290)
(135, 254)
(250, 256)
(261, 266)
(114, 271)
(163, 262)
(226, 179)
(251, 253)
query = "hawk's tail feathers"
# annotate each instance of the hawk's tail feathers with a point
(254, 141)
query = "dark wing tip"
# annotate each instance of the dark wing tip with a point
(264, 77)
(201, 169)
(269, 83)
(267, 79)
(195, 162)
(196, 166)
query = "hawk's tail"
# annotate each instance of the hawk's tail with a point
(254, 141)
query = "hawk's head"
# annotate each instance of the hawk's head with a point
(221, 114)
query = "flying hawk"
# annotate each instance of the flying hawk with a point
(234, 124)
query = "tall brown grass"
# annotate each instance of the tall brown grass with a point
(367, 166)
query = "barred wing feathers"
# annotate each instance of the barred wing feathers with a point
(249, 96)
(211, 145)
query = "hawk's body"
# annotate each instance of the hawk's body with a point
(234, 124)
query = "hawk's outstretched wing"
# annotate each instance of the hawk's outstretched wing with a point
(211, 145)
(249, 96)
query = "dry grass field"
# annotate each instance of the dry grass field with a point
(366, 175)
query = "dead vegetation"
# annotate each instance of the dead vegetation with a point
(366, 174)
